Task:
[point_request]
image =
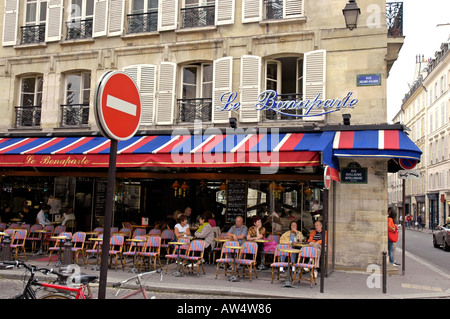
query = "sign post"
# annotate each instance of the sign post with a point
(118, 115)
(327, 184)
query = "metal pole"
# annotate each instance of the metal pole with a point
(384, 272)
(403, 227)
(324, 231)
(109, 205)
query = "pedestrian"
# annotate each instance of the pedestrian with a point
(419, 222)
(392, 235)
(42, 216)
(408, 220)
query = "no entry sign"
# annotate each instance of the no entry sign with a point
(327, 177)
(117, 106)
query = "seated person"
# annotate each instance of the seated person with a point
(315, 239)
(205, 231)
(237, 232)
(257, 232)
(181, 229)
(289, 237)
(69, 215)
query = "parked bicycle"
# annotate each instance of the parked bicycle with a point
(58, 289)
(127, 287)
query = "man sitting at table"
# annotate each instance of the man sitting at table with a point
(237, 232)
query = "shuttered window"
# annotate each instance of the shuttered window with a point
(250, 87)
(222, 83)
(165, 108)
(314, 67)
(54, 20)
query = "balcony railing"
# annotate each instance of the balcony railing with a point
(272, 115)
(194, 17)
(80, 29)
(190, 110)
(28, 116)
(394, 18)
(75, 114)
(274, 9)
(143, 22)
(32, 34)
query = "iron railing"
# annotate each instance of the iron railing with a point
(194, 17)
(28, 116)
(143, 22)
(74, 114)
(79, 29)
(274, 9)
(32, 34)
(272, 115)
(394, 18)
(190, 110)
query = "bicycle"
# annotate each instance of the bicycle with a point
(55, 291)
(128, 284)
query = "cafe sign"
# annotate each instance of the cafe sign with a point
(269, 101)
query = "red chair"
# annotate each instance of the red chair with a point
(247, 258)
(227, 256)
(277, 262)
(177, 251)
(195, 256)
(152, 250)
(116, 249)
(307, 260)
(78, 240)
(18, 242)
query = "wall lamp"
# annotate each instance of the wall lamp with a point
(351, 13)
(233, 122)
(346, 118)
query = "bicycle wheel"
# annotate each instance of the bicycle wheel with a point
(55, 296)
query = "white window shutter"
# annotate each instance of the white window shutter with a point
(293, 8)
(144, 75)
(167, 15)
(100, 18)
(250, 87)
(10, 19)
(54, 20)
(251, 10)
(165, 108)
(222, 83)
(225, 12)
(116, 17)
(314, 70)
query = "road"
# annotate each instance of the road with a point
(420, 244)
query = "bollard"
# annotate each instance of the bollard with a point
(384, 272)
(6, 248)
(67, 255)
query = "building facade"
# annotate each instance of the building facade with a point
(425, 111)
(202, 65)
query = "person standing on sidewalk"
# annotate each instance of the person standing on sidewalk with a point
(419, 222)
(392, 235)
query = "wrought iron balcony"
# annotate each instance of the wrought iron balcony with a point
(273, 9)
(194, 17)
(75, 114)
(143, 22)
(272, 115)
(394, 18)
(79, 29)
(28, 116)
(190, 110)
(32, 34)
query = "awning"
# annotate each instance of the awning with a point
(230, 150)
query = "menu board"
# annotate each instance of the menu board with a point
(236, 201)
(100, 196)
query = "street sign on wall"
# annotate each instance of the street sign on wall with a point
(409, 174)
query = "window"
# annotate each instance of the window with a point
(196, 93)
(28, 113)
(143, 17)
(35, 18)
(198, 13)
(81, 19)
(75, 111)
(282, 9)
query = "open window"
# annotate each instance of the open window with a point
(143, 17)
(33, 30)
(75, 111)
(28, 112)
(80, 23)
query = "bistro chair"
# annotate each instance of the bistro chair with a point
(34, 236)
(58, 230)
(155, 232)
(2, 226)
(195, 256)
(247, 258)
(90, 243)
(78, 241)
(126, 225)
(58, 247)
(113, 230)
(116, 249)
(182, 251)
(18, 242)
(47, 236)
(134, 248)
(95, 250)
(218, 247)
(138, 232)
(125, 232)
(166, 236)
(227, 256)
(277, 262)
(151, 250)
(307, 260)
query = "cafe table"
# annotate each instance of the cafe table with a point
(135, 241)
(290, 251)
(178, 273)
(41, 233)
(59, 238)
(234, 278)
(98, 240)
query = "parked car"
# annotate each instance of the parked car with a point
(441, 237)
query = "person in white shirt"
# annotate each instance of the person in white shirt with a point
(42, 216)
(69, 215)
(182, 227)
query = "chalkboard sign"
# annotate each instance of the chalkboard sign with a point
(236, 201)
(100, 196)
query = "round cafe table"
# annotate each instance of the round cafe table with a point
(135, 241)
(289, 283)
(41, 233)
(177, 273)
(98, 240)
(63, 238)
(234, 278)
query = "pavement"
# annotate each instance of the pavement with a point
(420, 280)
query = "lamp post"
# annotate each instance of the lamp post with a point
(351, 13)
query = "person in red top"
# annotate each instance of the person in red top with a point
(391, 228)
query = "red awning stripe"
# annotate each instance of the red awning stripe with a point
(72, 146)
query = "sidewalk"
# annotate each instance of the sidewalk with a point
(421, 280)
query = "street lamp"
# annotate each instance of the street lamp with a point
(351, 13)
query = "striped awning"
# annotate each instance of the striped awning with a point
(222, 150)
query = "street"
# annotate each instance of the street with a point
(420, 244)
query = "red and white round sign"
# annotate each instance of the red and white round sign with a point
(117, 106)
(327, 177)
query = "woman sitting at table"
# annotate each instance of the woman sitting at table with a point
(257, 232)
(181, 229)
(206, 232)
(293, 235)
